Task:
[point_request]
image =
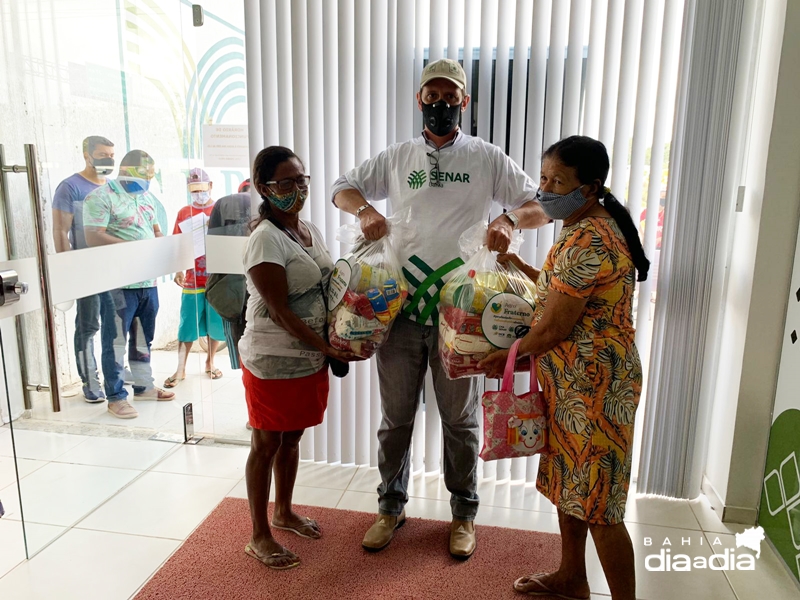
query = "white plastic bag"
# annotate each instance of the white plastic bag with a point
(367, 287)
(484, 307)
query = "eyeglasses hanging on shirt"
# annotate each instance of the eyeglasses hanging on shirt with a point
(433, 180)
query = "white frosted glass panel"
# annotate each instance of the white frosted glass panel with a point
(224, 254)
(93, 270)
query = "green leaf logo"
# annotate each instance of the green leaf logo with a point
(416, 179)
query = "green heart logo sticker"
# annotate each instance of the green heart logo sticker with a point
(496, 307)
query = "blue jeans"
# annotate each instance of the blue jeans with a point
(402, 363)
(138, 305)
(93, 312)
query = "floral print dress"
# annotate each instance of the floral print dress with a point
(593, 379)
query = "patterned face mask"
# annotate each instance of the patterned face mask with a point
(561, 206)
(292, 202)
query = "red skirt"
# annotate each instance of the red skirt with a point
(286, 404)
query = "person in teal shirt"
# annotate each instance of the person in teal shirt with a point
(125, 210)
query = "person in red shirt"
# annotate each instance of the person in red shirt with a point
(198, 318)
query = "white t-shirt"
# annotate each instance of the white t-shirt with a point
(472, 173)
(266, 349)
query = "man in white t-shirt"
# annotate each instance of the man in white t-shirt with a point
(449, 179)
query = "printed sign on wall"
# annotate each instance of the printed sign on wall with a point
(225, 146)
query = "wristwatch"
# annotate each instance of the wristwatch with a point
(513, 218)
(362, 209)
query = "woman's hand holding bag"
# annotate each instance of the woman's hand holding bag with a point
(513, 426)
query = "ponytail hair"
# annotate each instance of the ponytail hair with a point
(589, 158)
(264, 166)
(630, 232)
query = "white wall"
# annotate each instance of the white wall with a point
(758, 277)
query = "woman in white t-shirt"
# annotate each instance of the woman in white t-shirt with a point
(283, 350)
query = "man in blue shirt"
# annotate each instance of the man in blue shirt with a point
(98, 155)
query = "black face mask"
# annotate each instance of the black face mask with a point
(103, 166)
(441, 118)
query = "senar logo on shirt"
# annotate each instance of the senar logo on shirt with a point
(416, 179)
(438, 177)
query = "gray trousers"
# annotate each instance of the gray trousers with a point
(402, 363)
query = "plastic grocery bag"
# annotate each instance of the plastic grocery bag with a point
(484, 307)
(367, 287)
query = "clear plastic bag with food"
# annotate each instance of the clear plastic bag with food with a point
(486, 306)
(367, 287)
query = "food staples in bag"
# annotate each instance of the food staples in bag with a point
(462, 321)
(379, 305)
(364, 307)
(394, 298)
(457, 365)
(485, 306)
(350, 326)
(359, 304)
(464, 343)
(364, 348)
(372, 277)
(367, 287)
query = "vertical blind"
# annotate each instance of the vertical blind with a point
(336, 82)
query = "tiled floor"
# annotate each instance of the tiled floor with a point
(153, 494)
(219, 407)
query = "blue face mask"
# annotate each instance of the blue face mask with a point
(134, 185)
(561, 206)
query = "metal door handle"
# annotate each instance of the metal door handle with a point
(11, 292)
(10, 287)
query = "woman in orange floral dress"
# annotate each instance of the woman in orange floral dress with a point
(583, 343)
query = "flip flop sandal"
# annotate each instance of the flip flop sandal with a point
(171, 382)
(214, 374)
(274, 556)
(309, 523)
(545, 591)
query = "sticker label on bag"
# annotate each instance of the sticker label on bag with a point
(502, 318)
(340, 279)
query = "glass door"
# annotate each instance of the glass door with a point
(107, 105)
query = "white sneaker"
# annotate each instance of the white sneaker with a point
(122, 410)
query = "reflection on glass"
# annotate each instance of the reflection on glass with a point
(164, 86)
(231, 217)
(124, 210)
(197, 318)
(68, 199)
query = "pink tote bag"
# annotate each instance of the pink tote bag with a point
(513, 426)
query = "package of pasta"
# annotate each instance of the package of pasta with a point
(484, 307)
(367, 287)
